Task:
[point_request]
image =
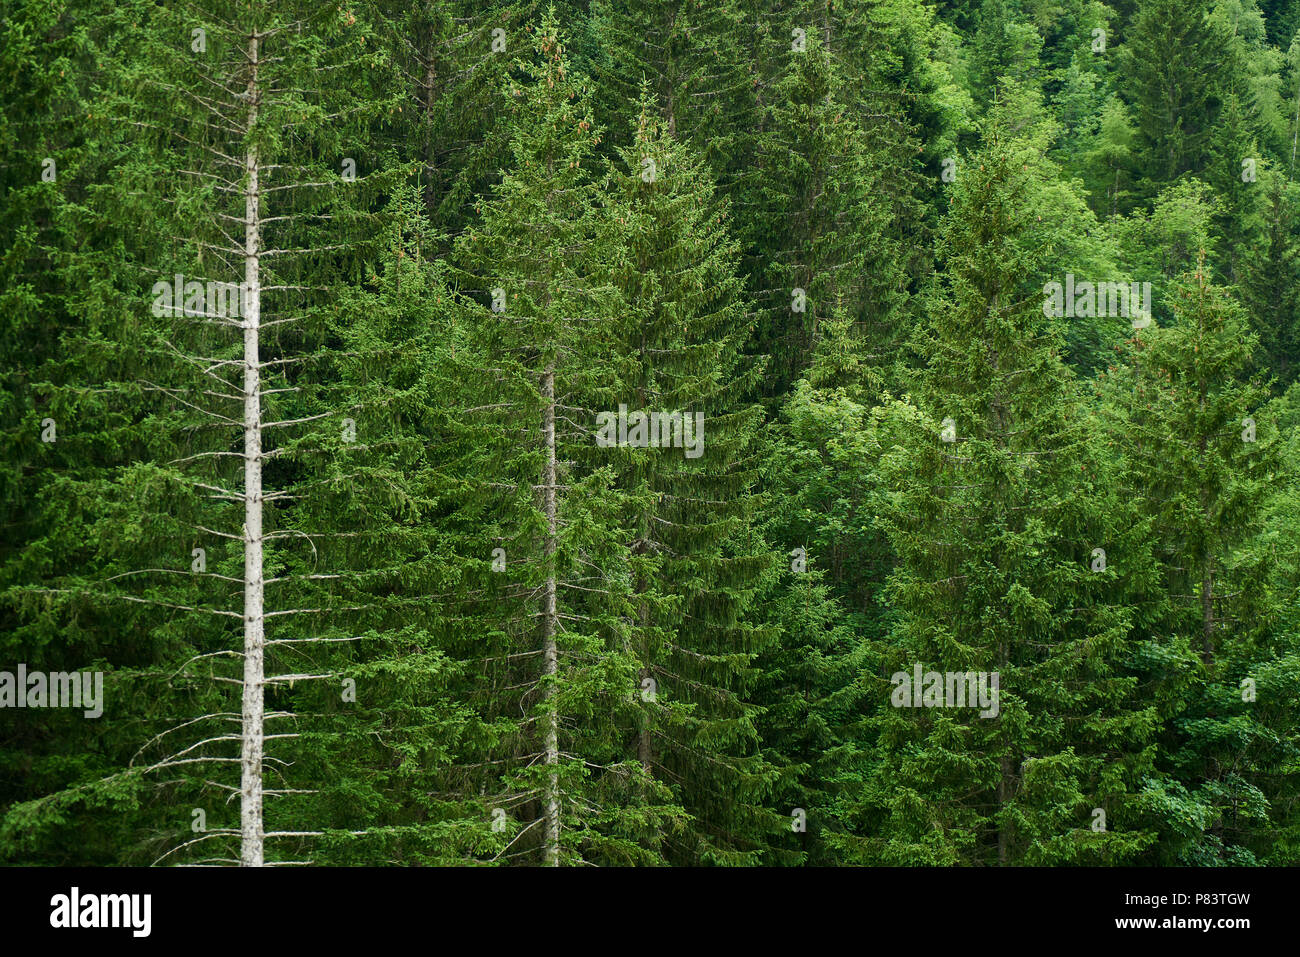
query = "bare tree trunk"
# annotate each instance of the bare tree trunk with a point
(251, 726)
(999, 424)
(549, 656)
(641, 548)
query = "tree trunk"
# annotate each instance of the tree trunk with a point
(1207, 563)
(251, 727)
(643, 752)
(1207, 612)
(549, 655)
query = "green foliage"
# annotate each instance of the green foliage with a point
(498, 633)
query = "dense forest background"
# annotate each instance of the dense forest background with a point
(368, 584)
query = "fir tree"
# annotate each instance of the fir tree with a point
(825, 239)
(994, 512)
(696, 560)
(562, 627)
(1199, 454)
(1270, 285)
(1174, 75)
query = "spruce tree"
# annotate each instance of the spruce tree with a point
(240, 175)
(696, 560)
(1199, 456)
(995, 510)
(1270, 286)
(825, 238)
(701, 62)
(62, 439)
(1175, 72)
(1235, 172)
(544, 337)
